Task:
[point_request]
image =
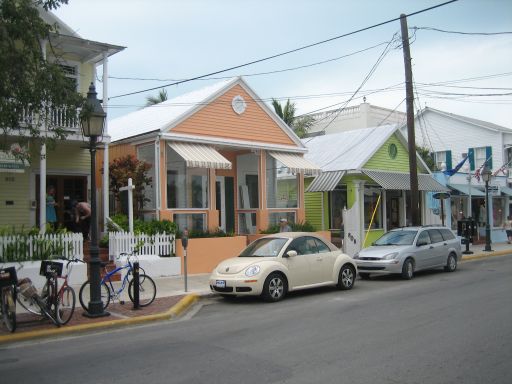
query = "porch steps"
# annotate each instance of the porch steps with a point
(104, 257)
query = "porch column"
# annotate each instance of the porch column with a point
(301, 212)
(384, 209)
(42, 162)
(213, 213)
(106, 208)
(403, 209)
(262, 214)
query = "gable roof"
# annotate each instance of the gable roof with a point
(351, 150)
(347, 150)
(468, 120)
(163, 117)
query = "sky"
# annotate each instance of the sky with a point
(168, 40)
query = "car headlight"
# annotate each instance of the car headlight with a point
(356, 256)
(391, 256)
(252, 270)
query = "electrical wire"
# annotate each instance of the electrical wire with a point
(460, 33)
(286, 52)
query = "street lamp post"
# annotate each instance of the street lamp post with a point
(93, 120)
(486, 176)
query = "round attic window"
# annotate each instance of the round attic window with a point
(239, 105)
(392, 150)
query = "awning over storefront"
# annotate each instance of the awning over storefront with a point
(296, 163)
(465, 188)
(326, 181)
(506, 191)
(200, 156)
(401, 181)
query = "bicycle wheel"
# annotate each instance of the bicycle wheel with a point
(66, 305)
(9, 308)
(51, 300)
(85, 295)
(46, 309)
(147, 290)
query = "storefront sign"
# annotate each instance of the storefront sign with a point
(494, 190)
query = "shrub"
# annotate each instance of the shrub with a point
(296, 227)
(198, 234)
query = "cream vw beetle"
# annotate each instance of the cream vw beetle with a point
(276, 264)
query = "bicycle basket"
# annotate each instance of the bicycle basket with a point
(27, 289)
(48, 268)
(8, 276)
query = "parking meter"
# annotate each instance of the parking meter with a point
(184, 243)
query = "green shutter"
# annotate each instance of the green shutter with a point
(471, 154)
(448, 160)
(488, 155)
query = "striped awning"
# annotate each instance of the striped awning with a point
(506, 190)
(401, 181)
(296, 163)
(200, 155)
(465, 189)
(326, 181)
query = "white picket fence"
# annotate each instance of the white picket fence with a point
(22, 247)
(126, 242)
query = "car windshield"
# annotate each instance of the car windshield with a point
(266, 247)
(405, 237)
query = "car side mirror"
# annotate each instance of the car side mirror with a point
(291, 253)
(421, 243)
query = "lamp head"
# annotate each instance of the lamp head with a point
(92, 116)
(486, 174)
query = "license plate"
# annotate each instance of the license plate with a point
(220, 283)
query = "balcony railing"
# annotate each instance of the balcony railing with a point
(58, 117)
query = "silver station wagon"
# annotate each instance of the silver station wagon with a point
(410, 249)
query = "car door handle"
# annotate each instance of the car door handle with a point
(319, 258)
(431, 247)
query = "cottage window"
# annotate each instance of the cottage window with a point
(190, 221)
(282, 185)
(274, 217)
(186, 187)
(147, 153)
(372, 208)
(480, 156)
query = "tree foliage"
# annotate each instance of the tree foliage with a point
(153, 100)
(123, 168)
(300, 125)
(31, 88)
(427, 157)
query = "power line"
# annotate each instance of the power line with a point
(286, 52)
(461, 33)
(258, 73)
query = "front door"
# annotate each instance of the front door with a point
(225, 201)
(67, 190)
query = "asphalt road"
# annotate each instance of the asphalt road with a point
(438, 328)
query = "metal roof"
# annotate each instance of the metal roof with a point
(401, 181)
(327, 181)
(465, 189)
(348, 150)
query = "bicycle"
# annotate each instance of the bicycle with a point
(65, 297)
(147, 287)
(8, 283)
(46, 304)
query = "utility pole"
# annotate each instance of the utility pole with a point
(411, 138)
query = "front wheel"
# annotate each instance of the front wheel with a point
(9, 308)
(85, 295)
(147, 290)
(66, 301)
(408, 269)
(274, 288)
(346, 277)
(451, 263)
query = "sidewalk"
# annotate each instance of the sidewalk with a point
(171, 301)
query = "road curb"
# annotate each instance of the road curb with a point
(479, 256)
(173, 312)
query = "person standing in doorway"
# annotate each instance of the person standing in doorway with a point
(51, 214)
(83, 217)
(507, 226)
